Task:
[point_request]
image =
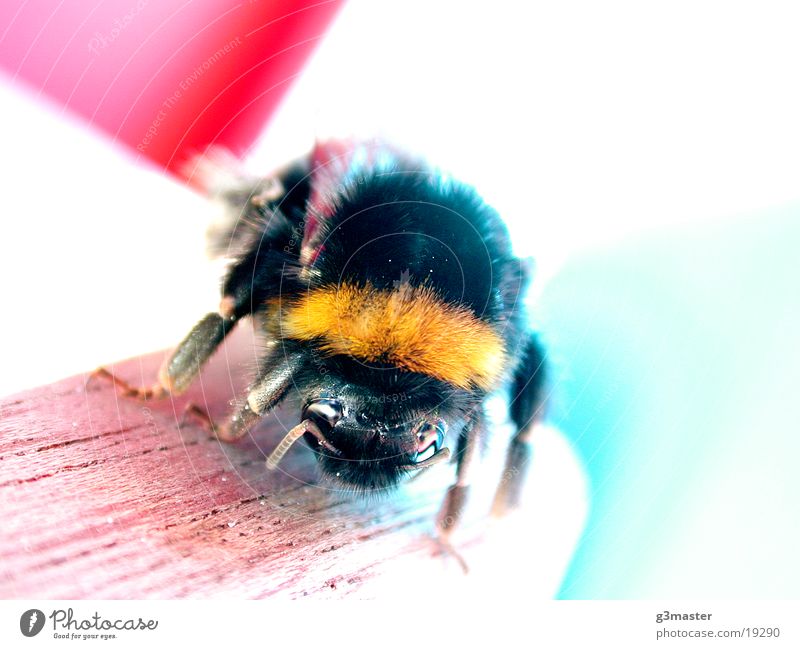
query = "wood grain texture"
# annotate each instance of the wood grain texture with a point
(106, 497)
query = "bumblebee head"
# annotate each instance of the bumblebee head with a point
(369, 436)
(372, 424)
(362, 448)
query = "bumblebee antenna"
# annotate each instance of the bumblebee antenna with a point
(305, 426)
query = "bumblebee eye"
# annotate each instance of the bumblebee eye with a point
(430, 438)
(327, 411)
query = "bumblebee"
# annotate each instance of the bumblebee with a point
(393, 307)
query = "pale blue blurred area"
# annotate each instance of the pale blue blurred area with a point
(676, 372)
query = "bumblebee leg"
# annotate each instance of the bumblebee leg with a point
(201, 342)
(267, 210)
(266, 393)
(180, 369)
(527, 409)
(125, 389)
(236, 426)
(456, 498)
(466, 458)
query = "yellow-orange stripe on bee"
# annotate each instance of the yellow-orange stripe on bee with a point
(409, 327)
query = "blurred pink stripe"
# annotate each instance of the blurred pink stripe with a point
(164, 77)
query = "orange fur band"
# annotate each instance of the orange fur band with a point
(409, 327)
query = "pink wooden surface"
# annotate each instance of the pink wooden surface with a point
(104, 497)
